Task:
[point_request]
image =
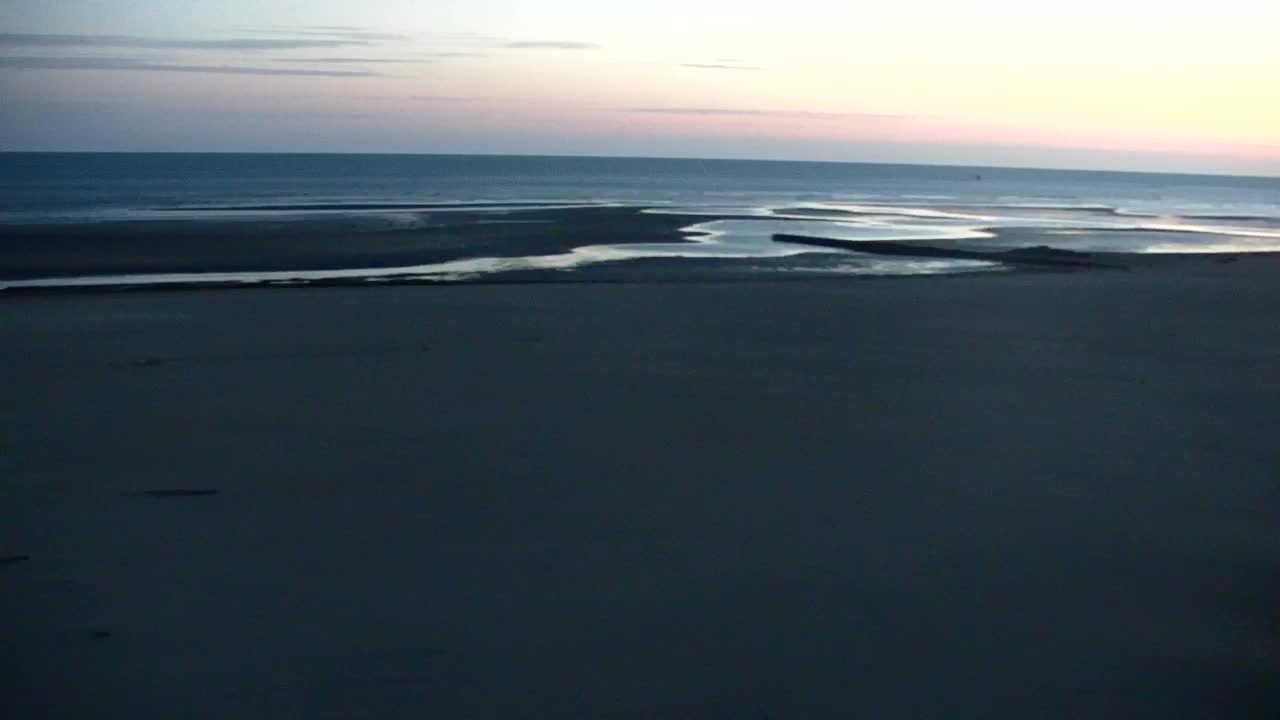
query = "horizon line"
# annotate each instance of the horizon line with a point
(640, 157)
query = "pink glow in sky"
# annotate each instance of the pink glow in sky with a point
(1117, 85)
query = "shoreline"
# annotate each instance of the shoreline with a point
(496, 242)
(1093, 262)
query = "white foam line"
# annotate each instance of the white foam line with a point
(1215, 230)
(1020, 221)
(709, 210)
(1222, 248)
(911, 267)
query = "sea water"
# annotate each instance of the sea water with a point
(1093, 211)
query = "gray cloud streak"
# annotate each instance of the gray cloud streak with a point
(344, 32)
(352, 34)
(352, 60)
(720, 66)
(749, 112)
(552, 45)
(128, 64)
(135, 42)
(452, 98)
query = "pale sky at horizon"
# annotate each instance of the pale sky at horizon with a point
(1139, 85)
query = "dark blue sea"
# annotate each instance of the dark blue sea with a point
(731, 210)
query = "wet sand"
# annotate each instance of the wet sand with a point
(319, 241)
(1041, 495)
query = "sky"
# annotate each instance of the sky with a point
(1164, 85)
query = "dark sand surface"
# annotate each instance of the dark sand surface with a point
(1015, 495)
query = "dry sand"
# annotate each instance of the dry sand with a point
(1031, 495)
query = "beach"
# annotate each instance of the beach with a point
(998, 495)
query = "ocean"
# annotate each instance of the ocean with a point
(71, 219)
